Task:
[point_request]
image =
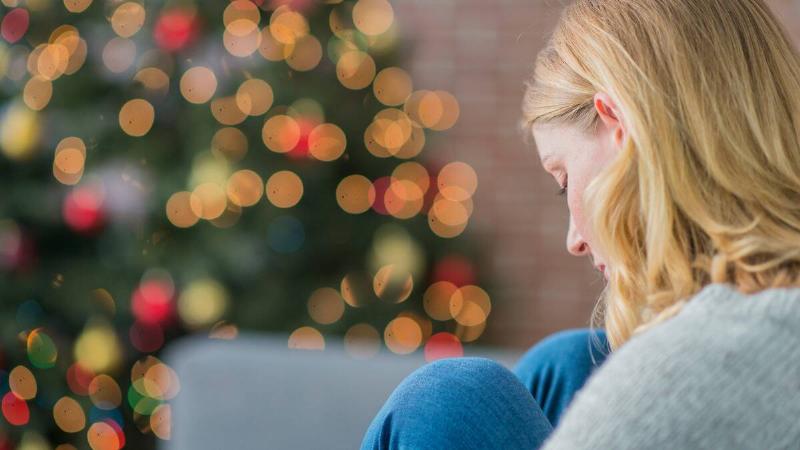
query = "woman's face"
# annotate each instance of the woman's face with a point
(574, 158)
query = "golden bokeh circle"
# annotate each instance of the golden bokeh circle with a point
(355, 194)
(273, 50)
(306, 55)
(436, 300)
(229, 142)
(284, 189)
(68, 415)
(402, 335)
(245, 188)
(198, 84)
(392, 86)
(226, 111)
(457, 181)
(254, 97)
(392, 284)
(373, 17)
(355, 69)
(208, 201)
(362, 341)
(128, 19)
(241, 17)
(37, 92)
(22, 383)
(136, 117)
(280, 133)
(327, 142)
(325, 305)
(179, 210)
(306, 338)
(105, 392)
(241, 46)
(470, 305)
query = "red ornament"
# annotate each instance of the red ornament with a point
(151, 302)
(83, 210)
(455, 269)
(176, 29)
(443, 345)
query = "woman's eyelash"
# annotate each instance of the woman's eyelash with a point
(563, 190)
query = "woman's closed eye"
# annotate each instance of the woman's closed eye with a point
(563, 190)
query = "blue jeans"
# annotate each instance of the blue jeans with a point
(476, 403)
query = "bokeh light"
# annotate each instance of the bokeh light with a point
(68, 415)
(342, 126)
(281, 133)
(284, 189)
(306, 338)
(128, 19)
(402, 335)
(355, 69)
(22, 383)
(202, 302)
(325, 305)
(42, 351)
(198, 84)
(373, 17)
(136, 117)
(355, 194)
(254, 97)
(362, 341)
(327, 142)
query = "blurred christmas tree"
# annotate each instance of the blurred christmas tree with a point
(210, 167)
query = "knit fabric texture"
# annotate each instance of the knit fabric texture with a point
(722, 373)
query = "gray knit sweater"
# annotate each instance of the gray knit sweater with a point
(724, 373)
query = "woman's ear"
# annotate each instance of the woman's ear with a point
(611, 116)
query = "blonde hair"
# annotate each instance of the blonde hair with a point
(706, 187)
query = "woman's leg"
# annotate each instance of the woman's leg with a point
(556, 367)
(459, 404)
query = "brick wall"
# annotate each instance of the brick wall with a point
(481, 51)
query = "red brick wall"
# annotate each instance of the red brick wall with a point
(481, 51)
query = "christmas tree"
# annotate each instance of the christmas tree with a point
(173, 168)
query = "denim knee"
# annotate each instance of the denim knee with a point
(554, 369)
(459, 403)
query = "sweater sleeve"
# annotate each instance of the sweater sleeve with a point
(690, 383)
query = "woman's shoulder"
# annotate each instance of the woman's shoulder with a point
(722, 373)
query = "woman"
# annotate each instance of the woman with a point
(673, 128)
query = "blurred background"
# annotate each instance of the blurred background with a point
(342, 171)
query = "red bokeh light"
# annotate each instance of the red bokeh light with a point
(83, 210)
(381, 185)
(117, 429)
(443, 345)
(146, 337)
(15, 409)
(79, 378)
(151, 302)
(455, 269)
(15, 24)
(300, 151)
(176, 29)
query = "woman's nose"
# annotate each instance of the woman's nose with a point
(576, 245)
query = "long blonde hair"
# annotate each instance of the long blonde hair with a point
(706, 187)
